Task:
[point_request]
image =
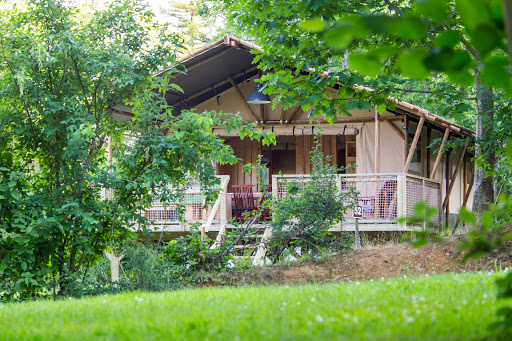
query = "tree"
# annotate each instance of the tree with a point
(61, 75)
(464, 40)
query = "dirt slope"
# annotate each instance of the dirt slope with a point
(376, 263)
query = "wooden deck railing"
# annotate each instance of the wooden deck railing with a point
(383, 197)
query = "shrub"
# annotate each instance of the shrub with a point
(310, 207)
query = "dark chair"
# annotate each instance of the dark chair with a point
(243, 198)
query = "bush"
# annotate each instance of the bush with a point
(309, 209)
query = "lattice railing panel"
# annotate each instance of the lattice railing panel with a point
(414, 194)
(377, 196)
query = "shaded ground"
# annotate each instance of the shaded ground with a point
(376, 263)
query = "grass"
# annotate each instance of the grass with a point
(437, 307)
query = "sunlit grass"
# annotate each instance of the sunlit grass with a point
(438, 307)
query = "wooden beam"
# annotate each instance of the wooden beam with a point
(347, 120)
(295, 113)
(199, 93)
(281, 118)
(199, 63)
(439, 154)
(442, 123)
(413, 145)
(262, 112)
(242, 97)
(456, 172)
(377, 140)
(395, 129)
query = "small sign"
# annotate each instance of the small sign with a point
(358, 211)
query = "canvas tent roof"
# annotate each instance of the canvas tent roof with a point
(211, 70)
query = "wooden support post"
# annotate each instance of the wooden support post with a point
(427, 150)
(281, 118)
(334, 151)
(299, 154)
(439, 154)
(456, 172)
(400, 204)
(466, 198)
(114, 265)
(262, 112)
(395, 129)
(413, 145)
(357, 242)
(406, 135)
(242, 97)
(447, 184)
(307, 155)
(377, 141)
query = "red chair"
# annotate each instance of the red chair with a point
(243, 198)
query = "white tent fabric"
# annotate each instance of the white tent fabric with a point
(391, 150)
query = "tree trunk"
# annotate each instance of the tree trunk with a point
(483, 194)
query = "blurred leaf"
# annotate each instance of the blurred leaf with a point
(473, 12)
(495, 67)
(339, 37)
(466, 216)
(485, 38)
(445, 60)
(461, 77)
(313, 25)
(487, 219)
(366, 65)
(411, 64)
(434, 9)
(410, 28)
(508, 150)
(447, 39)
(384, 52)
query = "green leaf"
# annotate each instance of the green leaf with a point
(410, 28)
(313, 25)
(485, 38)
(15, 195)
(447, 39)
(495, 67)
(461, 77)
(364, 64)
(508, 150)
(487, 219)
(384, 52)
(466, 216)
(411, 64)
(473, 13)
(381, 108)
(437, 10)
(445, 60)
(339, 37)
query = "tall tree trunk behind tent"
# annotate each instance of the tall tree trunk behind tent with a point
(484, 185)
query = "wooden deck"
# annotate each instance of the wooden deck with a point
(383, 197)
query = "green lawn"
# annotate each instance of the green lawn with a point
(440, 307)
